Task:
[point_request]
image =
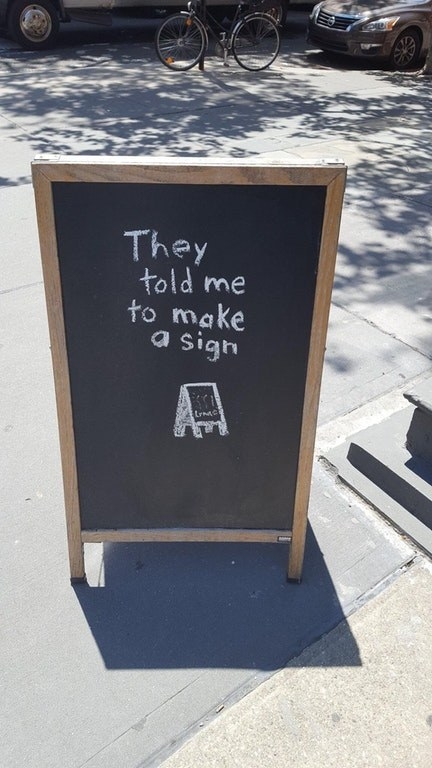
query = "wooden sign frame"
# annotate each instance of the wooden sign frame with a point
(49, 169)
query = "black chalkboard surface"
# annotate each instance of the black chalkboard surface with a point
(187, 307)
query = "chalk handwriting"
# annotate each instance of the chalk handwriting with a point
(211, 347)
(175, 321)
(170, 286)
(153, 246)
(221, 318)
(237, 285)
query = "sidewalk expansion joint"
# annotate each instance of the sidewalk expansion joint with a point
(377, 327)
(386, 582)
(139, 724)
(21, 287)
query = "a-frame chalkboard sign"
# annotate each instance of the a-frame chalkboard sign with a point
(188, 304)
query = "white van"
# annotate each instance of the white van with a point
(35, 25)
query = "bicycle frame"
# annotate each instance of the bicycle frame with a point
(206, 19)
(201, 17)
(174, 41)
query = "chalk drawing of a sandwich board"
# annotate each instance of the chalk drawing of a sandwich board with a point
(199, 406)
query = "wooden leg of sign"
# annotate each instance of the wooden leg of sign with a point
(293, 581)
(295, 563)
(76, 562)
(74, 537)
(78, 576)
(297, 548)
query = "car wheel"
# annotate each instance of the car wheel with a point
(35, 25)
(406, 50)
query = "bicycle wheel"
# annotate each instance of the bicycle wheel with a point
(180, 42)
(256, 42)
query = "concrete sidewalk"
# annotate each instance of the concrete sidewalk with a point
(120, 673)
(322, 710)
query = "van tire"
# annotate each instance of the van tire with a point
(34, 26)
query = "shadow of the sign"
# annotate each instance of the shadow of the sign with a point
(210, 605)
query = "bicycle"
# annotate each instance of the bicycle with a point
(252, 38)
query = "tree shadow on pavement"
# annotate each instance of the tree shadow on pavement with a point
(117, 100)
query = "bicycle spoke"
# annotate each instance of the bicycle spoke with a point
(256, 43)
(179, 42)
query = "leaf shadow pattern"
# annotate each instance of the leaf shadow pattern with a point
(116, 99)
